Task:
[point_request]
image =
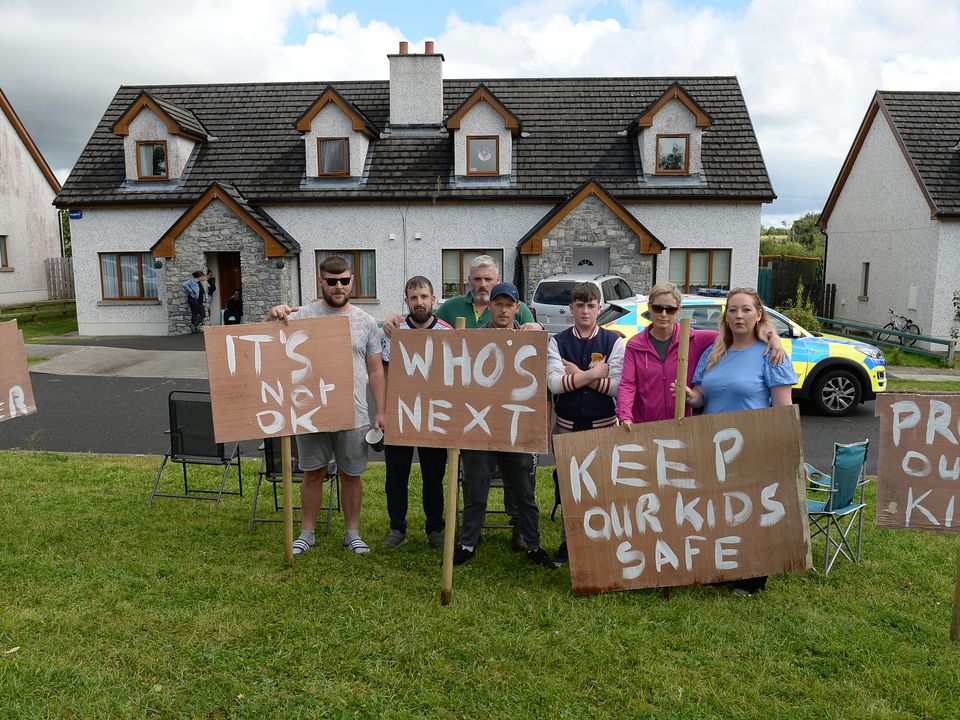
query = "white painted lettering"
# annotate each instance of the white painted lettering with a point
(478, 419)
(925, 466)
(906, 415)
(264, 418)
(451, 361)
(648, 505)
(688, 513)
(294, 341)
(433, 415)
(665, 556)
(915, 505)
(417, 362)
(524, 393)
(775, 510)
(720, 553)
(616, 464)
(689, 551)
(580, 477)
(483, 379)
(414, 416)
(746, 508)
(725, 457)
(633, 560)
(603, 533)
(663, 465)
(515, 419)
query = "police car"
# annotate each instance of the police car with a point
(835, 374)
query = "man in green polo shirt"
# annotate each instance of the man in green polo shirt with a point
(475, 308)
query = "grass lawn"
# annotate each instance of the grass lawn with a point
(123, 612)
(47, 325)
(898, 385)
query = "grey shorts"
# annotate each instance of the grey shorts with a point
(347, 447)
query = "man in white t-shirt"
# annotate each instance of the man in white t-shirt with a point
(347, 447)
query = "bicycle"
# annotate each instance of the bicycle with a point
(899, 324)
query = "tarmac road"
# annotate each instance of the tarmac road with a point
(128, 415)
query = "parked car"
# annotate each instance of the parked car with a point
(551, 299)
(834, 374)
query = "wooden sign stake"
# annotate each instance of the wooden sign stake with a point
(287, 460)
(680, 396)
(680, 399)
(955, 624)
(450, 516)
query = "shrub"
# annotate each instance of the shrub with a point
(802, 311)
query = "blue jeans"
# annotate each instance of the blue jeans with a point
(433, 463)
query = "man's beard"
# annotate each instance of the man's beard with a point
(420, 315)
(482, 296)
(335, 301)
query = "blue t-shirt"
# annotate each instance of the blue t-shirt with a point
(741, 380)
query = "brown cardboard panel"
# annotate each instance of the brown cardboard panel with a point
(267, 379)
(918, 470)
(16, 393)
(468, 389)
(701, 500)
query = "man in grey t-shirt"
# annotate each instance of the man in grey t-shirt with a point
(348, 447)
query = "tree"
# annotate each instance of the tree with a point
(65, 229)
(805, 232)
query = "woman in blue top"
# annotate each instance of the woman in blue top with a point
(735, 375)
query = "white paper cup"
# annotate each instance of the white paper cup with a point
(375, 439)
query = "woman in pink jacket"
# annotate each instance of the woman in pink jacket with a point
(651, 358)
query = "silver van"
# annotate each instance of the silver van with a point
(551, 299)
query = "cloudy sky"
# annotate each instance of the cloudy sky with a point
(808, 68)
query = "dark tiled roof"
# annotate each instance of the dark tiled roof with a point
(928, 123)
(574, 129)
(266, 222)
(184, 118)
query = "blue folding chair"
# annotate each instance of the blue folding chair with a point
(836, 516)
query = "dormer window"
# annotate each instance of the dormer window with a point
(484, 131)
(336, 138)
(672, 155)
(483, 155)
(152, 160)
(158, 138)
(333, 157)
(670, 134)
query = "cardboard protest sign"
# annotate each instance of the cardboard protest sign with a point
(16, 393)
(705, 499)
(267, 379)
(468, 389)
(918, 472)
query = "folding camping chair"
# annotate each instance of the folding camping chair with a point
(271, 471)
(835, 516)
(192, 443)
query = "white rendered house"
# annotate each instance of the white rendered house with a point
(649, 178)
(29, 224)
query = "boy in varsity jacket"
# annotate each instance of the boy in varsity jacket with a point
(584, 366)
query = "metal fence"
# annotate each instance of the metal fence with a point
(59, 278)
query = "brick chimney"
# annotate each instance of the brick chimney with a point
(416, 87)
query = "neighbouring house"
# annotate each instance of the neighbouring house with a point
(29, 224)
(650, 178)
(893, 217)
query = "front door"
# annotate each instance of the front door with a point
(228, 280)
(594, 260)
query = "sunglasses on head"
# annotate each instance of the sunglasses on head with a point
(668, 309)
(332, 282)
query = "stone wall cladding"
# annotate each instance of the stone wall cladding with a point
(590, 224)
(218, 229)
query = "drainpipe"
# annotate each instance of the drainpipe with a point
(823, 292)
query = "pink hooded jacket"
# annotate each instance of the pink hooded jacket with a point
(644, 393)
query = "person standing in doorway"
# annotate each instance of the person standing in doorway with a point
(194, 292)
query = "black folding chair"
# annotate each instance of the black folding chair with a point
(501, 519)
(192, 443)
(271, 471)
